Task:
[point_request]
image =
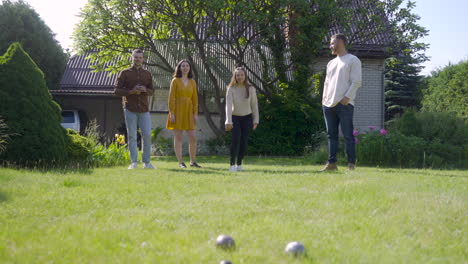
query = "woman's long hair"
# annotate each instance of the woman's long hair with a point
(178, 71)
(234, 82)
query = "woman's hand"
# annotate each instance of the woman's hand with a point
(172, 117)
(255, 126)
(195, 118)
(228, 127)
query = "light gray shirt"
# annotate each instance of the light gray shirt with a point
(237, 103)
(344, 77)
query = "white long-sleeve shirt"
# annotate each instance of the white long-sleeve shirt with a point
(344, 77)
(237, 103)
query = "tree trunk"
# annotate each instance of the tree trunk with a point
(202, 100)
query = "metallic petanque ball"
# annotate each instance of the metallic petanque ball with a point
(225, 242)
(295, 248)
(225, 262)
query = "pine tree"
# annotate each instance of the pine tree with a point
(403, 81)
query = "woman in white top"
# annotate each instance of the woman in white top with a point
(241, 115)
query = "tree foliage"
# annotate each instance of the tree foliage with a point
(447, 90)
(20, 23)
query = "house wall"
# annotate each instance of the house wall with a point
(107, 110)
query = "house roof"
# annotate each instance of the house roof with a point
(80, 77)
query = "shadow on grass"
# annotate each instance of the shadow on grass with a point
(203, 170)
(254, 160)
(297, 171)
(76, 169)
(3, 197)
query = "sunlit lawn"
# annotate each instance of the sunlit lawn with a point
(169, 215)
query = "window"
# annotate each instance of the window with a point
(68, 117)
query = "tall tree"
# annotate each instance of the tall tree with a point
(19, 22)
(403, 80)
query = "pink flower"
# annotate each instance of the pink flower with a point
(383, 132)
(355, 132)
(356, 140)
(371, 127)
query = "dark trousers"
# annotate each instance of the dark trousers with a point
(340, 115)
(240, 135)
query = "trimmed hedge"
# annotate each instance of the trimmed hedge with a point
(30, 113)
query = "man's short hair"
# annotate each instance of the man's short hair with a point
(137, 51)
(340, 36)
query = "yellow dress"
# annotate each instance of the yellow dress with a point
(183, 102)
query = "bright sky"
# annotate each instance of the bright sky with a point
(446, 20)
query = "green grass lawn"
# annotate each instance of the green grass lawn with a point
(169, 215)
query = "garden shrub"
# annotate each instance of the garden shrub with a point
(36, 137)
(112, 155)
(102, 154)
(392, 149)
(417, 139)
(30, 113)
(445, 135)
(444, 126)
(161, 145)
(287, 127)
(219, 145)
(80, 149)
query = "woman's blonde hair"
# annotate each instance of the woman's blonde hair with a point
(234, 82)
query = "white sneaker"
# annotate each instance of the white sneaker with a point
(132, 166)
(239, 168)
(148, 166)
(233, 168)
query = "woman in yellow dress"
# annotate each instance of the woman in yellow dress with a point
(183, 111)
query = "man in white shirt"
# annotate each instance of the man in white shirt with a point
(342, 81)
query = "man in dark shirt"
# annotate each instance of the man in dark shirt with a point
(135, 85)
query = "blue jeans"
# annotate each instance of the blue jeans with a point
(340, 115)
(134, 121)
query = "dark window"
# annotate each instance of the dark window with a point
(68, 117)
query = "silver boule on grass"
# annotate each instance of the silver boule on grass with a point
(225, 262)
(294, 248)
(225, 242)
